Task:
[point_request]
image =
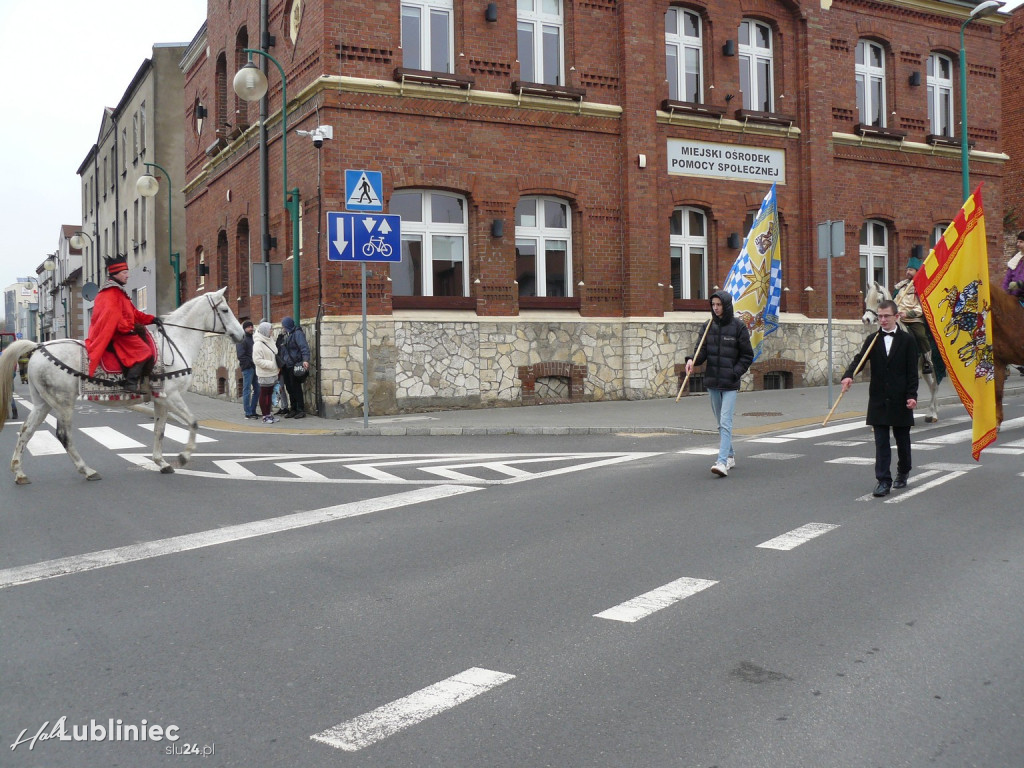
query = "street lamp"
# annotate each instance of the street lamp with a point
(986, 8)
(148, 186)
(251, 85)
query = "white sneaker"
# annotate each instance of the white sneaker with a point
(720, 469)
(730, 462)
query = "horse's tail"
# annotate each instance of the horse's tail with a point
(8, 364)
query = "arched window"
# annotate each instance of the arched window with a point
(688, 252)
(937, 231)
(684, 55)
(544, 247)
(756, 57)
(222, 259)
(940, 95)
(870, 72)
(242, 257)
(874, 252)
(435, 232)
(241, 116)
(220, 99)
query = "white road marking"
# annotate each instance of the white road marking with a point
(858, 460)
(44, 443)
(389, 719)
(966, 435)
(832, 430)
(111, 438)
(798, 536)
(649, 602)
(771, 440)
(705, 451)
(778, 456)
(903, 496)
(843, 443)
(179, 434)
(146, 550)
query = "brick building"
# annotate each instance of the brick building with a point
(576, 176)
(1013, 124)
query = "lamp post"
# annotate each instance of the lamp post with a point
(251, 85)
(982, 9)
(148, 186)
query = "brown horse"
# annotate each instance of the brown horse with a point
(1007, 339)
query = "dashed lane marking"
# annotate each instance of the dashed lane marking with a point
(650, 602)
(387, 720)
(798, 536)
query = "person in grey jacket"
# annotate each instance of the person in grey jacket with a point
(727, 354)
(294, 352)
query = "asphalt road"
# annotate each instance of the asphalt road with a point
(514, 601)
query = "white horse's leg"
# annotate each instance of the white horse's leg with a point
(175, 403)
(32, 422)
(159, 423)
(64, 415)
(933, 404)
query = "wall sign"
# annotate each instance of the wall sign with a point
(708, 159)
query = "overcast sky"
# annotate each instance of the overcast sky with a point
(66, 61)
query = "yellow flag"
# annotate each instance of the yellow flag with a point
(953, 285)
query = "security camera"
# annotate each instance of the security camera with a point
(318, 134)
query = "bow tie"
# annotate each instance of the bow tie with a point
(890, 334)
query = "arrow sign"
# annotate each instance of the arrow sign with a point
(379, 238)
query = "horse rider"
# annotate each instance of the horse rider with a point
(1013, 281)
(908, 303)
(116, 323)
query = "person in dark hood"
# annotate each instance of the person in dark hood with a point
(727, 353)
(295, 357)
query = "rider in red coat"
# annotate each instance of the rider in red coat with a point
(118, 324)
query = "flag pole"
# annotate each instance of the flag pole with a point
(683, 385)
(856, 370)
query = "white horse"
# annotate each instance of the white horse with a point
(58, 368)
(875, 294)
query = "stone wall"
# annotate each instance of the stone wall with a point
(470, 362)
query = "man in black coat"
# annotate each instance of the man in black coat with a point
(892, 395)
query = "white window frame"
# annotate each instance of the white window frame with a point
(937, 232)
(751, 56)
(683, 48)
(535, 20)
(681, 247)
(940, 93)
(868, 75)
(873, 252)
(427, 12)
(425, 230)
(540, 234)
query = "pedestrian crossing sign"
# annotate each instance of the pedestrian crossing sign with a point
(364, 190)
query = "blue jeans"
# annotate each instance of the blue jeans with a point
(723, 403)
(250, 391)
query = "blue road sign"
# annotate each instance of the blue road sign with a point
(364, 237)
(364, 191)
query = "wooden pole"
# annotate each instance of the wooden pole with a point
(683, 385)
(856, 370)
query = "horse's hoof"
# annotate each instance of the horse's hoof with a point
(931, 419)
(167, 469)
(94, 476)
(22, 480)
(182, 459)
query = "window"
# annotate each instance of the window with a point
(135, 224)
(688, 251)
(940, 94)
(141, 297)
(135, 136)
(683, 55)
(543, 247)
(870, 71)
(874, 252)
(435, 232)
(201, 270)
(142, 225)
(124, 150)
(756, 69)
(104, 177)
(937, 233)
(142, 128)
(540, 41)
(427, 35)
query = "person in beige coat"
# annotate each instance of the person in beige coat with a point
(263, 357)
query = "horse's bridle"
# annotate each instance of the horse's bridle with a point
(216, 317)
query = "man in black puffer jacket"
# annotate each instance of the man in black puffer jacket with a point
(728, 354)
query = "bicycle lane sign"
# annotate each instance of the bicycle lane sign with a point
(364, 237)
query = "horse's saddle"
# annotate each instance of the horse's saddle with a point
(107, 383)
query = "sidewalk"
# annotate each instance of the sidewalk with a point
(756, 412)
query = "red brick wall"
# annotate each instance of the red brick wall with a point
(495, 154)
(1013, 120)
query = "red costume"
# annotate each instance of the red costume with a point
(113, 323)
